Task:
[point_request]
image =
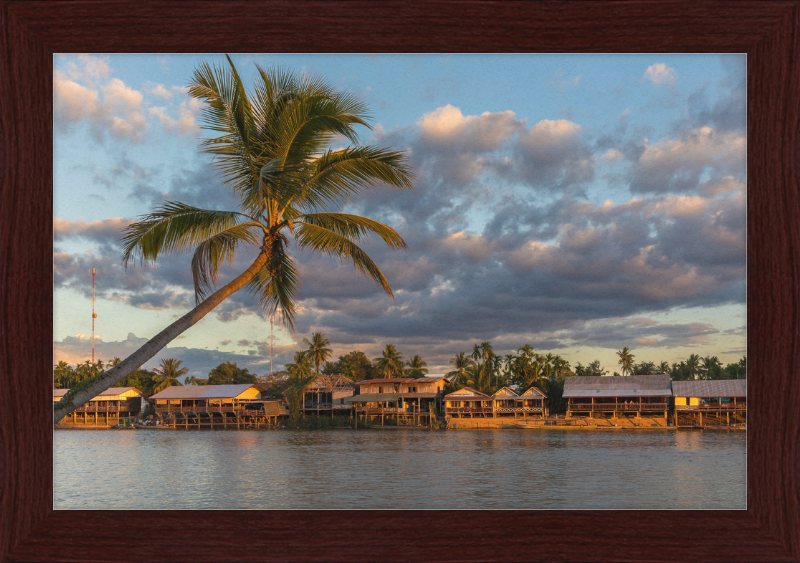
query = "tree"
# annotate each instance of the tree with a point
(229, 373)
(693, 366)
(318, 349)
(460, 362)
(63, 375)
(663, 367)
(594, 369)
(192, 380)
(390, 364)
(625, 360)
(301, 367)
(168, 373)
(355, 366)
(416, 367)
(272, 149)
(645, 368)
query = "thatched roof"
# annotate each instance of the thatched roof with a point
(627, 386)
(711, 388)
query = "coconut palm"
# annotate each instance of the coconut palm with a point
(693, 365)
(168, 373)
(390, 364)
(272, 149)
(302, 365)
(460, 362)
(416, 367)
(663, 367)
(318, 349)
(625, 360)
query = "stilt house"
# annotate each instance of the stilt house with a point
(401, 397)
(467, 402)
(105, 409)
(191, 406)
(326, 393)
(720, 402)
(617, 396)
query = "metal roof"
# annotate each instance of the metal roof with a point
(619, 393)
(387, 380)
(202, 391)
(110, 391)
(472, 392)
(431, 379)
(535, 391)
(373, 398)
(505, 392)
(658, 385)
(710, 388)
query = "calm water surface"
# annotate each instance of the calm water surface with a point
(406, 469)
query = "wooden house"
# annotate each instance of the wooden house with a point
(713, 402)
(616, 396)
(404, 398)
(326, 393)
(467, 402)
(105, 409)
(506, 402)
(534, 402)
(198, 406)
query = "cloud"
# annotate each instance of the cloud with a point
(678, 164)
(117, 113)
(184, 124)
(660, 73)
(159, 91)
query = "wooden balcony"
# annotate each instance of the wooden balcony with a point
(724, 407)
(112, 408)
(605, 407)
(468, 410)
(199, 409)
(517, 409)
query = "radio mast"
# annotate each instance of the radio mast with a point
(94, 315)
(271, 339)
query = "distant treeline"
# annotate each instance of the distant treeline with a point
(482, 369)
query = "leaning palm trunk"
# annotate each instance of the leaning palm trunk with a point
(82, 393)
(271, 150)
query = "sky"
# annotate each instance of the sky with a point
(576, 203)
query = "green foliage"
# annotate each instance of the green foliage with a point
(318, 350)
(594, 369)
(390, 364)
(229, 373)
(355, 366)
(555, 392)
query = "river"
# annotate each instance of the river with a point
(399, 469)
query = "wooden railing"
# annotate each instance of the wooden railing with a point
(518, 409)
(617, 406)
(468, 410)
(121, 408)
(713, 407)
(213, 408)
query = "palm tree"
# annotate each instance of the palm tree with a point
(318, 349)
(272, 149)
(625, 360)
(693, 364)
(62, 374)
(460, 362)
(663, 367)
(168, 373)
(710, 366)
(390, 363)
(416, 367)
(302, 365)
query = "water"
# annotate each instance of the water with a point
(399, 469)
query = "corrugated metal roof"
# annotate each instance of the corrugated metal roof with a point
(431, 379)
(202, 391)
(373, 398)
(632, 385)
(466, 392)
(110, 391)
(619, 393)
(505, 392)
(710, 388)
(388, 380)
(535, 391)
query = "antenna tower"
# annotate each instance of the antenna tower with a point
(94, 315)
(271, 340)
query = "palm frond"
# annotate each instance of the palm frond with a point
(277, 287)
(354, 227)
(337, 177)
(175, 227)
(215, 251)
(326, 241)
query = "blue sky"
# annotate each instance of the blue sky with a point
(579, 203)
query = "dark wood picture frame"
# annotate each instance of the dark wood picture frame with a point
(768, 31)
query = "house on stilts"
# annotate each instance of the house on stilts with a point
(106, 409)
(716, 402)
(614, 397)
(399, 400)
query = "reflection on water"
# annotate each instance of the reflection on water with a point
(391, 469)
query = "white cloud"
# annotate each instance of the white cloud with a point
(447, 125)
(159, 91)
(660, 73)
(184, 124)
(87, 68)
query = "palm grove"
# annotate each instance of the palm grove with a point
(482, 369)
(272, 148)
